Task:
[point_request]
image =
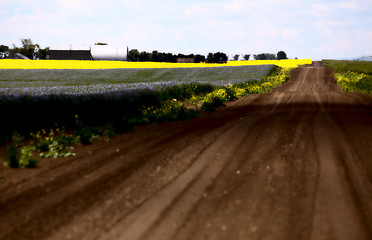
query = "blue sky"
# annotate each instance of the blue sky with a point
(313, 29)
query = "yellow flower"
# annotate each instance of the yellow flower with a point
(87, 64)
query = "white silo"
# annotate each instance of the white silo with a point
(108, 52)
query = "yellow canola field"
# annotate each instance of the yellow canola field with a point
(87, 64)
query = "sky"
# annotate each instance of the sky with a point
(316, 29)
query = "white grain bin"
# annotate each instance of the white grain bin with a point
(108, 52)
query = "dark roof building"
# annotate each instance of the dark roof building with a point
(70, 53)
(94, 52)
(16, 56)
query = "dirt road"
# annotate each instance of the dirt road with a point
(293, 164)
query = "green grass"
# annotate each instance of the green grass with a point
(352, 76)
(351, 66)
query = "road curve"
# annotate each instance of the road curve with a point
(292, 164)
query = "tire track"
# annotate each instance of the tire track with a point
(197, 178)
(336, 216)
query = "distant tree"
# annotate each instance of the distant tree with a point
(270, 56)
(169, 57)
(265, 56)
(221, 57)
(42, 53)
(26, 42)
(209, 58)
(155, 56)
(281, 55)
(99, 43)
(199, 58)
(217, 57)
(144, 56)
(4, 50)
(133, 55)
(246, 56)
(161, 57)
(236, 57)
(261, 56)
(28, 49)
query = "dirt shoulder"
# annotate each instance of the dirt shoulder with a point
(293, 164)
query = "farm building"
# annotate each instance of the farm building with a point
(232, 57)
(15, 56)
(108, 52)
(186, 60)
(70, 52)
(94, 52)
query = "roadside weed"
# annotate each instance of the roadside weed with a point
(214, 100)
(20, 155)
(352, 76)
(26, 158)
(170, 110)
(354, 82)
(217, 98)
(56, 149)
(53, 143)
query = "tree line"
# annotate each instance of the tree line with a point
(28, 49)
(269, 56)
(135, 56)
(219, 57)
(33, 51)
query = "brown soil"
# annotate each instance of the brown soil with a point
(292, 164)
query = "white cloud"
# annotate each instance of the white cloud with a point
(139, 33)
(290, 33)
(261, 5)
(196, 9)
(320, 9)
(349, 5)
(86, 7)
(235, 5)
(330, 9)
(338, 23)
(341, 45)
(69, 4)
(345, 45)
